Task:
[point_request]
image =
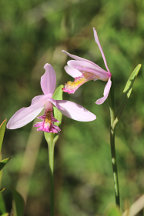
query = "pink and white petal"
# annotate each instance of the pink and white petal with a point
(26, 114)
(48, 80)
(87, 67)
(77, 57)
(72, 71)
(106, 92)
(41, 99)
(89, 64)
(36, 99)
(23, 117)
(74, 111)
(100, 48)
(80, 58)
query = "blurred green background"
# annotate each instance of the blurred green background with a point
(33, 33)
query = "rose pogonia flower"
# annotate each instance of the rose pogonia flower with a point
(83, 70)
(46, 102)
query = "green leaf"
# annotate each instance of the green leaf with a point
(55, 139)
(58, 95)
(5, 214)
(18, 204)
(3, 162)
(2, 204)
(2, 132)
(49, 137)
(113, 211)
(128, 87)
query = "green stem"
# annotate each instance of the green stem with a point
(113, 122)
(51, 172)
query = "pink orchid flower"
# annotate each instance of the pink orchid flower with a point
(83, 70)
(46, 102)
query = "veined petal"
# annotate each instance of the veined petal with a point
(106, 93)
(26, 114)
(37, 99)
(48, 80)
(100, 48)
(72, 71)
(77, 57)
(83, 66)
(88, 64)
(74, 111)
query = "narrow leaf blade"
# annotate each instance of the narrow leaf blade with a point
(5, 214)
(3, 162)
(2, 132)
(18, 204)
(2, 204)
(129, 85)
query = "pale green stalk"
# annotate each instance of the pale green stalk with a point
(113, 122)
(51, 140)
(51, 172)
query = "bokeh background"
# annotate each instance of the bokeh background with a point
(33, 33)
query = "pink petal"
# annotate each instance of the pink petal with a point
(48, 80)
(26, 114)
(77, 57)
(36, 99)
(102, 53)
(88, 64)
(106, 92)
(74, 111)
(72, 71)
(87, 67)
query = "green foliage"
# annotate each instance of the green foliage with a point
(2, 132)
(113, 211)
(49, 137)
(18, 204)
(3, 163)
(2, 204)
(58, 95)
(5, 214)
(128, 87)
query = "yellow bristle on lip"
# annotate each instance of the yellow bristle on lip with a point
(76, 83)
(48, 117)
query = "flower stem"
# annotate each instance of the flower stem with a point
(51, 172)
(113, 122)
